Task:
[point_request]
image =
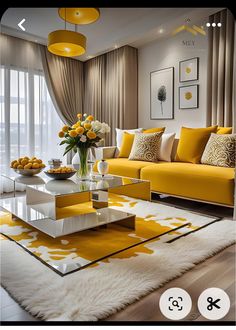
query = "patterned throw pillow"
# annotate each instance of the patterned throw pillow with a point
(220, 150)
(146, 147)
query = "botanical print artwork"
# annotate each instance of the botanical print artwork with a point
(188, 97)
(162, 93)
(188, 69)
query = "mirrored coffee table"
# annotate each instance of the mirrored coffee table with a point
(61, 207)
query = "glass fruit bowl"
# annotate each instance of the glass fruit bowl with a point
(28, 172)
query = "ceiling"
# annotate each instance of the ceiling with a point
(115, 28)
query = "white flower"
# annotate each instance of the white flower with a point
(83, 138)
(96, 125)
(105, 128)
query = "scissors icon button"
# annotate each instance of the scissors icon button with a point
(212, 303)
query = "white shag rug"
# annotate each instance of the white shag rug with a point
(95, 293)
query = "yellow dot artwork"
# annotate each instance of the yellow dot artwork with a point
(188, 69)
(188, 95)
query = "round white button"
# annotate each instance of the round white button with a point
(175, 303)
(213, 303)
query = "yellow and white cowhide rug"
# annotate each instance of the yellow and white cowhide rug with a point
(71, 252)
(101, 289)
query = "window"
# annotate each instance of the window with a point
(29, 123)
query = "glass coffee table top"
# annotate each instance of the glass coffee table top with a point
(43, 183)
(71, 243)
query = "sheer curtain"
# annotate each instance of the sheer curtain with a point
(29, 123)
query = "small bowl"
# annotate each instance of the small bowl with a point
(28, 172)
(60, 176)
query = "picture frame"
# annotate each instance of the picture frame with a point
(162, 94)
(189, 69)
(189, 97)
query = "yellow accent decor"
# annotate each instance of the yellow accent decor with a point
(188, 70)
(140, 191)
(72, 199)
(197, 181)
(79, 15)
(126, 145)
(188, 96)
(154, 130)
(66, 43)
(224, 130)
(192, 143)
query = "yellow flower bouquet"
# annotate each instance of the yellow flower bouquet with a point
(81, 136)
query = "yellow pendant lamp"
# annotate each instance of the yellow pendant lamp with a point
(66, 43)
(79, 15)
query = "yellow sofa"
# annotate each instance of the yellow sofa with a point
(199, 182)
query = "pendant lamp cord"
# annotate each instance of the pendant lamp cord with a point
(65, 18)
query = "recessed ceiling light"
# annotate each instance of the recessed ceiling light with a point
(116, 46)
(219, 24)
(213, 24)
(161, 30)
(208, 24)
(67, 49)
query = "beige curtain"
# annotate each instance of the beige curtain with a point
(111, 89)
(65, 82)
(220, 70)
(94, 78)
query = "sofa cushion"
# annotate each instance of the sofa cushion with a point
(146, 147)
(119, 134)
(166, 147)
(192, 143)
(196, 181)
(224, 130)
(154, 130)
(125, 167)
(220, 150)
(126, 145)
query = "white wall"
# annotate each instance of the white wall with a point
(163, 54)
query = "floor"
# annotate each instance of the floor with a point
(218, 271)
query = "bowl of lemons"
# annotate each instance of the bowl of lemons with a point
(27, 166)
(60, 173)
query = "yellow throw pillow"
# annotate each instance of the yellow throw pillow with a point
(192, 143)
(224, 130)
(154, 130)
(126, 145)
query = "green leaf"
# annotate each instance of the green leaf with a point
(67, 150)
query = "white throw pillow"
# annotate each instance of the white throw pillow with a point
(167, 141)
(119, 134)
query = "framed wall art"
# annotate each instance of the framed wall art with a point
(162, 94)
(188, 97)
(189, 70)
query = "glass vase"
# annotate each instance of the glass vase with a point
(83, 171)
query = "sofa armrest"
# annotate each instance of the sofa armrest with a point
(106, 152)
